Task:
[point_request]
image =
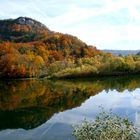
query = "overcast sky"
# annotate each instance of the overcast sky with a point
(108, 24)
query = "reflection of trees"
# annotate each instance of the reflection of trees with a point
(39, 93)
(29, 103)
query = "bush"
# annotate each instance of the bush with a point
(77, 71)
(107, 126)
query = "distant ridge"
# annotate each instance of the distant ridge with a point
(122, 52)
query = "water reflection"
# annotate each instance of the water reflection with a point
(30, 103)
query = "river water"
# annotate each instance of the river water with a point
(47, 110)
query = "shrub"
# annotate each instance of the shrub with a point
(107, 126)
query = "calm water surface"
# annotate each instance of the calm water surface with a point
(46, 110)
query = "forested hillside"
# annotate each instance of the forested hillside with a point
(29, 49)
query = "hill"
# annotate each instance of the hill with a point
(28, 47)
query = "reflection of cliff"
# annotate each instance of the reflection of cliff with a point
(28, 104)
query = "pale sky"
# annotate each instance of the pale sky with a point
(107, 24)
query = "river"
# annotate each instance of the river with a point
(47, 109)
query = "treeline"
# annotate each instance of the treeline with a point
(59, 58)
(99, 65)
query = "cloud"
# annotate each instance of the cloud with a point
(104, 23)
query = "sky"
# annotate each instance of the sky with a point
(106, 24)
